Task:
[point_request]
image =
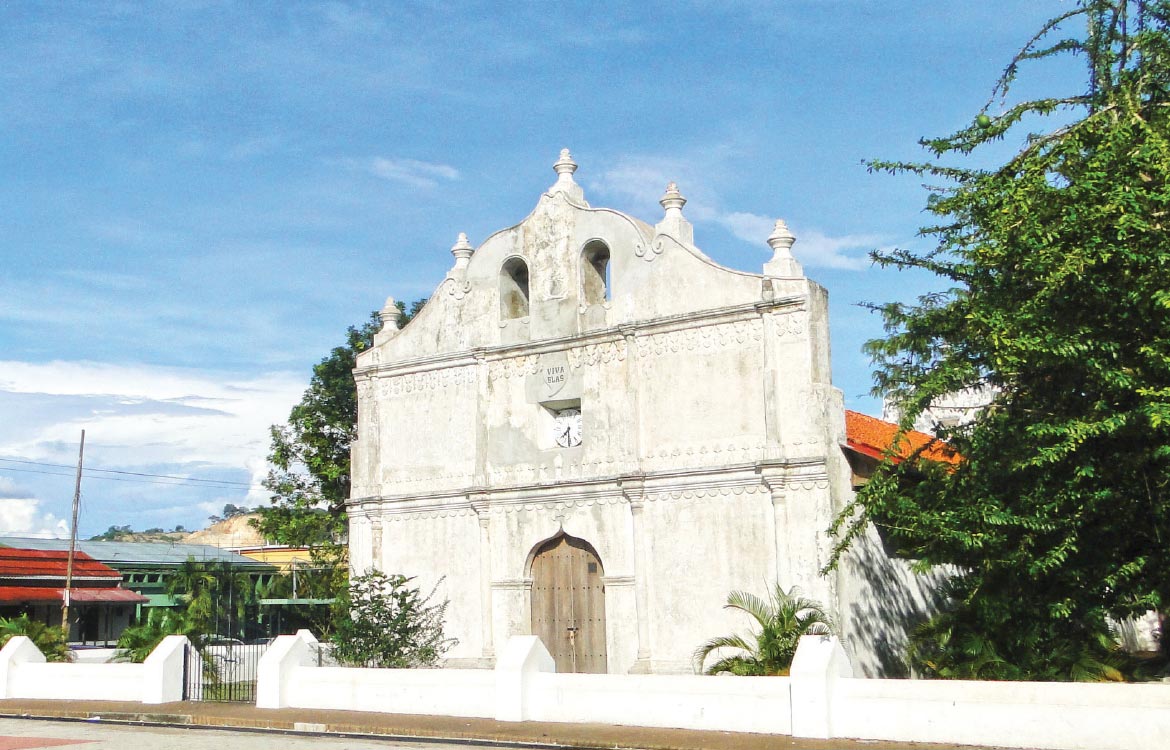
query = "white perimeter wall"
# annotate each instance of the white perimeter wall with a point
(439, 692)
(743, 704)
(524, 687)
(819, 700)
(24, 673)
(1009, 714)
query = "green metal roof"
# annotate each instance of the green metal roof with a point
(162, 554)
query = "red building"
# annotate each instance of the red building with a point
(32, 582)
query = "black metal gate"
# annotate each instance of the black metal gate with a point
(222, 670)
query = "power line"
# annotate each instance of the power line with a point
(177, 482)
(127, 473)
(34, 471)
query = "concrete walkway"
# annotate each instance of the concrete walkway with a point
(423, 728)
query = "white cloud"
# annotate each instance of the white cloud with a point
(849, 251)
(641, 181)
(748, 227)
(419, 174)
(142, 418)
(22, 516)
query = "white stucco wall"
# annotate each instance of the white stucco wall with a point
(441, 549)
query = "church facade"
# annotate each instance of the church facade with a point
(593, 433)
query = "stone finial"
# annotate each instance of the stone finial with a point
(672, 201)
(565, 167)
(783, 263)
(673, 222)
(389, 315)
(462, 250)
(782, 239)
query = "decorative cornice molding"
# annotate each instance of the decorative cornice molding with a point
(704, 338)
(698, 493)
(806, 473)
(650, 327)
(632, 490)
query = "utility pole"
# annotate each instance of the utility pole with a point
(72, 542)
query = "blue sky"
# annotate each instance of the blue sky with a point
(196, 198)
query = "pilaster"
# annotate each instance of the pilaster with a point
(480, 506)
(633, 492)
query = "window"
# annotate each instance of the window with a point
(514, 289)
(595, 281)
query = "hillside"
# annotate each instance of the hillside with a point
(235, 531)
(230, 532)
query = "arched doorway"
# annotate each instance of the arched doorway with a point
(568, 604)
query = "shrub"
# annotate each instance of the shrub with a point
(383, 622)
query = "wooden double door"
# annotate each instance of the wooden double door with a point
(568, 604)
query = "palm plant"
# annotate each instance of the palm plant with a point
(138, 641)
(782, 619)
(50, 639)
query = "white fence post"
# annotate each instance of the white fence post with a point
(819, 661)
(275, 671)
(162, 674)
(19, 650)
(523, 655)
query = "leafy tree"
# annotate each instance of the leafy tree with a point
(782, 619)
(112, 534)
(1058, 516)
(50, 639)
(382, 622)
(310, 475)
(230, 510)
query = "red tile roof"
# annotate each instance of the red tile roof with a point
(40, 594)
(42, 564)
(872, 437)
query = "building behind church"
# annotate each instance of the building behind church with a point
(593, 433)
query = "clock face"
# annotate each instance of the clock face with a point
(567, 428)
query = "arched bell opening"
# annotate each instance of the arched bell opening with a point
(596, 288)
(514, 289)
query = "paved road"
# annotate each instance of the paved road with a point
(21, 734)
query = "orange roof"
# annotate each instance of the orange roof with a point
(872, 437)
(42, 564)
